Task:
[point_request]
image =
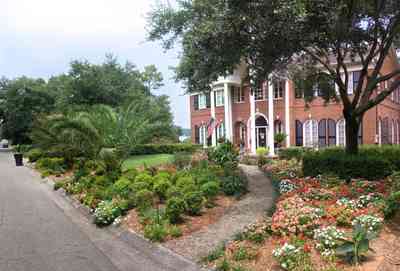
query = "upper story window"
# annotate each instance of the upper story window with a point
(278, 87)
(202, 101)
(219, 98)
(238, 94)
(259, 94)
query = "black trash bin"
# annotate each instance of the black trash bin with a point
(18, 159)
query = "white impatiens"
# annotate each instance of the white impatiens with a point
(327, 239)
(364, 200)
(372, 224)
(286, 186)
(287, 255)
(352, 204)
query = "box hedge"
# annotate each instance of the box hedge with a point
(371, 163)
(163, 148)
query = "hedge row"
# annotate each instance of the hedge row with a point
(372, 163)
(163, 148)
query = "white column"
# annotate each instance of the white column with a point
(252, 123)
(213, 136)
(287, 114)
(228, 112)
(270, 119)
(204, 131)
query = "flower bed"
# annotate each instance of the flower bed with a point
(162, 202)
(320, 223)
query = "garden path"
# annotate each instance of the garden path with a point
(246, 211)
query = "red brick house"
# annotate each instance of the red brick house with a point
(248, 119)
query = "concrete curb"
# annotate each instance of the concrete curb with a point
(156, 253)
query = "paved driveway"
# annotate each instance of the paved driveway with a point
(40, 231)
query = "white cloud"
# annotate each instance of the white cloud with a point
(75, 17)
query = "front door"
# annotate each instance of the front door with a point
(261, 137)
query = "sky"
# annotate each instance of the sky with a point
(39, 38)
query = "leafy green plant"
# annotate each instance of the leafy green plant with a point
(234, 185)
(194, 202)
(224, 265)
(242, 254)
(51, 165)
(261, 156)
(182, 160)
(357, 246)
(155, 232)
(210, 189)
(392, 204)
(279, 138)
(224, 152)
(144, 199)
(174, 231)
(122, 187)
(215, 254)
(34, 154)
(105, 213)
(175, 207)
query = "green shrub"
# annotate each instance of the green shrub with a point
(137, 186)
(173, 191)
(122, 187)
(144, 199)
(194, 202)
(144, 178)
(336, 161)
(392, 204)
(105, 213)
(186, 184)
(223, 153)
(130, 174)
(175, 207)
(34, 154)
(182, 160)
(163, 148)
(293, 153)
(58, 185)
(161, 186)
(234, 185)
(174, 231)
(51, 165)
(155, 232)
(210, 189)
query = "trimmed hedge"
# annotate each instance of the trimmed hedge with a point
(370, 163)
(163, 148)
(293, 153)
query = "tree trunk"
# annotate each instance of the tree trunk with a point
(352, 127)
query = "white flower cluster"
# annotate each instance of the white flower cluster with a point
(105, 213)
(286, 186)
(364, 200)
(372, 224)
(287, 255)
(328, 239)
(352, 204)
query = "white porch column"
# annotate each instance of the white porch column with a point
(213, 135)
(252, 123)
(228, 112)
(270, 118)
(287, 114)
(204, 131)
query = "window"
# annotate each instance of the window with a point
(311, 133)
(238, 94)
(356, 79)
(385, 131)
(220, 131)
(202, 134)
(390, 133)
(219, 98)
(202, 101)
(278, 87)
(278, 127)
(299, 133)
(341, 131)
(326, 133)
(395, 132)
(259, 94)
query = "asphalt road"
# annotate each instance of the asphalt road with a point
(41, 231)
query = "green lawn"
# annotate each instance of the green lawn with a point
(149, 160)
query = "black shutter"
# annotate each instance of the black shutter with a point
(360, 134)
(196, 135)
(208, 100)
(331, 132)
(196, 102)
(322, 133)
(299, 133)
(241, 93)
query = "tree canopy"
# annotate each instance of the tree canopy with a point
(317, 38)
(84, 86)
